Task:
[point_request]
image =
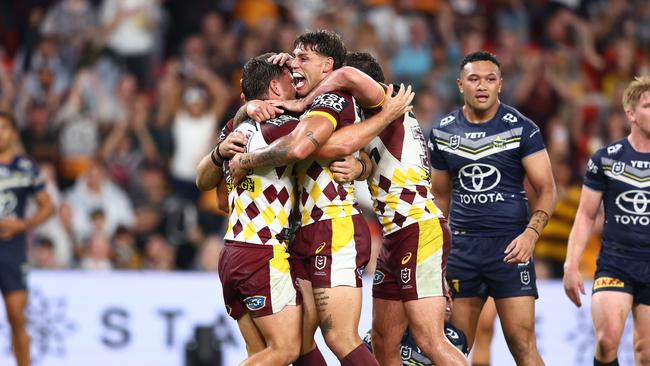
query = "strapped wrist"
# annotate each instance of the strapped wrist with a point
(217, 162)
(363, 168)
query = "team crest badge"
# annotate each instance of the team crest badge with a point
(618, 168)
(379, 277)
(255, 302)
(525, 277)
(321, 261)
(454, 142)
(406, 275)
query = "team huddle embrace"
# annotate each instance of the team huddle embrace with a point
(297, 245)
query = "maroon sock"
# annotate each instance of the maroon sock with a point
(312, 358)
(360, 356)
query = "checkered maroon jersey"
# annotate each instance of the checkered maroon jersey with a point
(260, 206)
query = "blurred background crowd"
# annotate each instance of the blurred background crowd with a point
(119, 99)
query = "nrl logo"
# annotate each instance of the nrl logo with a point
(525, 277)
(406, 275)
(454, 142)
(321, 261)
(618, 168)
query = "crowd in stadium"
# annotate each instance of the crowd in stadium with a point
(118, 101)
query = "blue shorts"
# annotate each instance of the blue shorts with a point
(13, 276)
(624, 274)
(476, 268)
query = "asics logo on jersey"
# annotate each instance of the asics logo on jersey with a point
(479, 177)
(320, 248)
(407, 258)
(8, 202)
(635, 202)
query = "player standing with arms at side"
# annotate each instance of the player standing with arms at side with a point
(487, 149)
(618, 175)
(19, 179)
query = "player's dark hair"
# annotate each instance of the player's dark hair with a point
(325, 43)
(479, 56)
(366, 63)
(257, 76)
(9, 117)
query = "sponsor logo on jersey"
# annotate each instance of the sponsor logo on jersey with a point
(454, 142)
(510, 118)
(407, 258)
(479, 177)
(321, 261)
(406, 275)
(635, 203)
(331, 101)
(447, 120)
(639, 164)
(455, 284)
(255, 302)
(474, 135)
(378, 278)
(280, 120)
(250, 184)
(320, 248)
(618, 168)
(614, 149)
(608, 282)
(592, 167)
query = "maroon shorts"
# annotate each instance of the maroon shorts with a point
(332, 253)
(412, 262)
(256, 279)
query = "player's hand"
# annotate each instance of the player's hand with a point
(10, 227)
(260, 110)
(521, 248)
(237, 173)
(573, 284)
(281, 59)
(346, 170)
(233, 143)
(396, 105)
(293, 105)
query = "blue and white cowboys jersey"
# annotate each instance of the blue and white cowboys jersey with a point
(623, 175)
(18, 180)
(484, 161)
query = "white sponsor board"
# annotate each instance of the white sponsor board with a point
(145, 318)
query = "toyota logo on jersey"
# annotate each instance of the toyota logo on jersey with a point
(479, 177)
(635, 202)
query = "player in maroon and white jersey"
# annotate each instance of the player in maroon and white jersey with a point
(332, 244)
(254, 270)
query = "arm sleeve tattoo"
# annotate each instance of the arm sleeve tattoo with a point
(312, 139)
(538, 221)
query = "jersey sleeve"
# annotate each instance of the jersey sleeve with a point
(531, 139)
(275, 128)
(437, 158)
(226, 130)
(595, 175)
(335, 106)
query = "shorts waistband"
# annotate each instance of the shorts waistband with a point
(239, 244)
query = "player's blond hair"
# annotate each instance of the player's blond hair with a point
(633, 92)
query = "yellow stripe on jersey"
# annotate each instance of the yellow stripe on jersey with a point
(431, 239)
(333, 211)
(279, 261)
(383, 98)
(249, 230)
(342, 233)
(324, 114)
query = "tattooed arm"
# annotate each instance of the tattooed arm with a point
(540, 175)
(309, 135)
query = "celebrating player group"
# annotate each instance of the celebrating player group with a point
(457, 226)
